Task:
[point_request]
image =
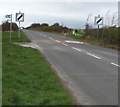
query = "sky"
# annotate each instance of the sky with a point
(72, 14)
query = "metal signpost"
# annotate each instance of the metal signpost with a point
(19, 18)
(9, 18)
(98, 21)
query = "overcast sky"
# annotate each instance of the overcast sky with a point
(69, 13)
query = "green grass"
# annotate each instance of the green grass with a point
(6, 37)
(27, 78)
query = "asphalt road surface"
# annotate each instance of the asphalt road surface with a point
(90, 72)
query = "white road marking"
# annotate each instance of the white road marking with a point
(76, 49)
(115, 64)
(73, 42)
(57, 41)
(64, 44)
(51, 38)
(94, 56)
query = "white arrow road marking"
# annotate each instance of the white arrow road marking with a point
(94, 56)
(76, 49)
(115, 64)
(64, 44)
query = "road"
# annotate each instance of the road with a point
(90, 72)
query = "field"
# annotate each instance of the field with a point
(28, 79)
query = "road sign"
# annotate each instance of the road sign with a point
(98, 20)
(8, 17)
(20, 17)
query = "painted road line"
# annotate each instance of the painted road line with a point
(94, 56)
(67, 41)
(57, 41)
(115, 64)
(76, 49)
(51, 38)
(64, 44)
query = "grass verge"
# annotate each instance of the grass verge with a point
(27, 78)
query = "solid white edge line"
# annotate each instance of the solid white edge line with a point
(115, 64)
(94, 56)
(64, 44)
(76, 49)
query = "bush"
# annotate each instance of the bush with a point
(107, 35)
(54, 28)
(6, 26)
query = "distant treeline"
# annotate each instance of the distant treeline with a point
(107, 35)
(6, 26)
(53, 28)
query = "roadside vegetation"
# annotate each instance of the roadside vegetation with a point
(27, 78)
(108, 37)
(55, 28)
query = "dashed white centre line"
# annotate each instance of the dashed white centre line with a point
(64, 44)
(76, 49)
(94, 56)
(115, 64)
(51, 38)
(57, 41)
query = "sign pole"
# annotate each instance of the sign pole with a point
(11, 29)
(98, 32)
(98, 22)
(19, 31)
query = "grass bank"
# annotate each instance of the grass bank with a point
(27, 78)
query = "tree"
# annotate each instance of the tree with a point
(35, 25)
(44, 25)
(56, 24)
